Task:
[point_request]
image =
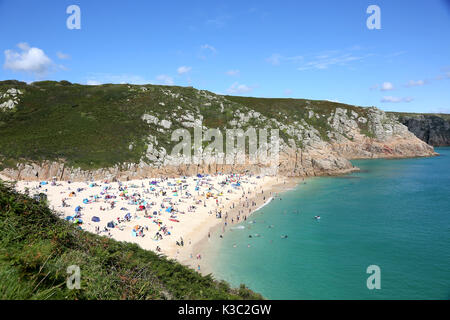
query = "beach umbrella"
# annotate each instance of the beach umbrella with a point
(95, 219)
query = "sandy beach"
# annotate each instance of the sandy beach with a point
(172, 216)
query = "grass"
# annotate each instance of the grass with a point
(92, 127)
(36, 247)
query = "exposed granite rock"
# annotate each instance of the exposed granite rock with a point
(305, 152)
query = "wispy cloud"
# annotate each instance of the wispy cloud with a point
(237, 88)
(205, 50)
(101, 78)
(208, 47)
(219, 21)
(93, 82)
(183, 69)
(275, 59)
(233, 73)
(165, 79)
(325, 61)
(62, 56)
(390, 99)
(415, 83)
(440, 110)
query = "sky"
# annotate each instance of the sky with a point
(318, 49)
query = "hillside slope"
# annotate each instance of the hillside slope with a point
(69, 131)
(36, 247)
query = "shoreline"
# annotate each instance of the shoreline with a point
(194, 204)
(203, 243)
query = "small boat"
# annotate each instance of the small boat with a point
(317, 217)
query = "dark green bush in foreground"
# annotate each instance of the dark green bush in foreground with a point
(36, 247)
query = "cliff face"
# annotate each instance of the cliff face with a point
(133, 136)
(432, 129)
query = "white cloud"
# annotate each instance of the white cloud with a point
(30, 59)
(209, 47)
(413, 83)
(183, 69)
(165, 79)
(219, 21)
(391, 99)
(331, 58)
(62, 56)
(387, 86)
(233, 72)
(276, 59)
(237, 88)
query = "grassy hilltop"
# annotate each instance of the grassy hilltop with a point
(99, 126)
(36, 247)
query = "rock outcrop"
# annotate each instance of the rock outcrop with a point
(432, 129)
(316, 137)
(317, 157)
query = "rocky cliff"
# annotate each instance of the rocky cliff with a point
(433, 129)
(73, 132)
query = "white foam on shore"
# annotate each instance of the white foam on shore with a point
(264, 204)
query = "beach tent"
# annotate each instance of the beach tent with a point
(68, 218)
(127, 216)
(43, 183)
(95, 219)
(110, 224)
(169, 209)
(85, 201)
(199, 176)
(77, 209)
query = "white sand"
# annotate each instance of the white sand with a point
(193, 225)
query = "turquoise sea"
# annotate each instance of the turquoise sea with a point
(394, 214)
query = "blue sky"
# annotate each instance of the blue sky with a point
(299, 49)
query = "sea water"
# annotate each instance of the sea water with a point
(394, 214)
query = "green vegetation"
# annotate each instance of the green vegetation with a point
(94, 127)
(36, 247)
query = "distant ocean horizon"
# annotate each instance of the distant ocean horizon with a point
(394, 214)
